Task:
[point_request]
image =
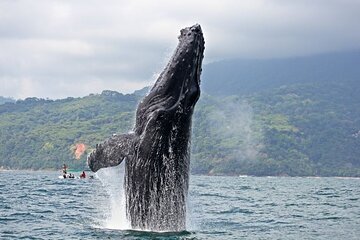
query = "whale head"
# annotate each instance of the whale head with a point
(178, 86)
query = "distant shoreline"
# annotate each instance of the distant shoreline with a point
(209, 175)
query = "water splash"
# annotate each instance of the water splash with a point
(112, 180)
(114, 212)
(191, 223)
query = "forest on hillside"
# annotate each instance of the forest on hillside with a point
(310, 129)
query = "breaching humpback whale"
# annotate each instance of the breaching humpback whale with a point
(157, 152)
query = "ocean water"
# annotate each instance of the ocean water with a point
(39, 205)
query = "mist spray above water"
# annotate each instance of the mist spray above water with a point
(234, 120)
(233, 129)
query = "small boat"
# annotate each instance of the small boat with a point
(70, 176)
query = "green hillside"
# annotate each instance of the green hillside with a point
(37, 133)
(297, 130)
(310, 129)
(292, 116)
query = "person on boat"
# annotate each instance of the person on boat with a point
(64, 171)
(83, 175)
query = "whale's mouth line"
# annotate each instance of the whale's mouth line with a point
(190, 78)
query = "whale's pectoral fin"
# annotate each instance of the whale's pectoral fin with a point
(111, 152)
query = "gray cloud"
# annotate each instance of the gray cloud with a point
(72, 48)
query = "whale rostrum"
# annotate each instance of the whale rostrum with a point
(157, 152)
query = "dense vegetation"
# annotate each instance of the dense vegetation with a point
(37, 133)
(296, 128)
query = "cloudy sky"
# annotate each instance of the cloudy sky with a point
(55, 49)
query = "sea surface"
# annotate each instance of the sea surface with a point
(39, 205)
